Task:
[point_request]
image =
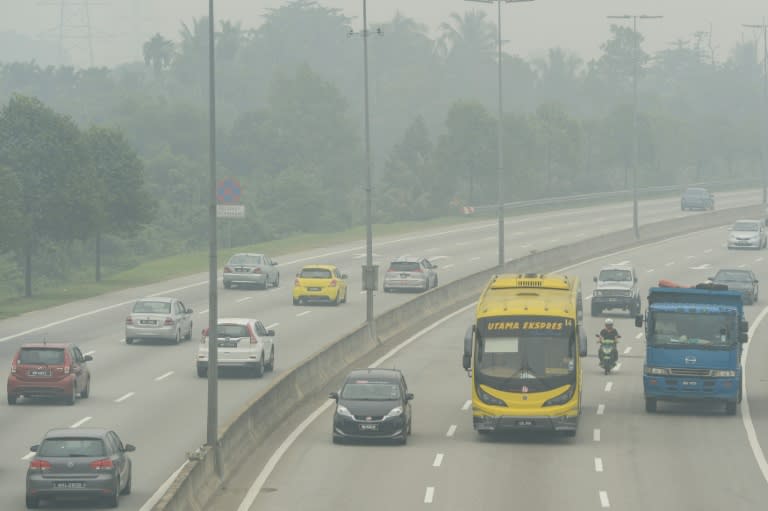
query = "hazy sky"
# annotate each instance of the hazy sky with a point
(120, 26)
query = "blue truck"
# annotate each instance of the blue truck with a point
(694, 340)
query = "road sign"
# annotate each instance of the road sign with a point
(230, 211)
(228, 191)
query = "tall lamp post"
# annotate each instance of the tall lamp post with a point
(634, 18)
(500, 130)
(212, 433)
(764, 121)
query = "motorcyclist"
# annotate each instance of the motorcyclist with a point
(610, 334)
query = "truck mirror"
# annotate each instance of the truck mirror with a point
(743, 337)
(744, 325)
(583, 344)
(594, 279)
(638, 320)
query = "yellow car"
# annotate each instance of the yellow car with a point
(320, 283)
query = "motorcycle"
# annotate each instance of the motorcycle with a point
(608, 353)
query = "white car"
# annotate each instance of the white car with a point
(243, 343)
(158, 318)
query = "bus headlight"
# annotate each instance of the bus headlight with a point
(489, 399)
(562, 398)
(656, 371)
(722, 373)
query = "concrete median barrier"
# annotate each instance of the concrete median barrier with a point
(197, 482)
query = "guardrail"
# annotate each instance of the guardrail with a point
(197, 481)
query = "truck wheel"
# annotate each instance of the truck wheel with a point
(730, 407)
(650, 405)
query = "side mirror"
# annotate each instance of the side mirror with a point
(190, 311)
(129, 448)
(594, 279)
(711, 278)
(409, 396)
(744, 326)
(466, 362)
(344, 276)
(756, 281)
(271, 333)
(35, 448)
(638, 320)
(434, 266)
(334, 396)
(743, 337)
(583, 345)
(635, 279)
(87, 358)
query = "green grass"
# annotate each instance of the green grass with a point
(196, 262)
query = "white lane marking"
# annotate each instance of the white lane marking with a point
(598, 464)
(554, 240)
(490, 238)
(273, 325)
(600, 409)
(438, 460)
(704, 266)
(617, 368)
(204, 311)
(596, 435)
(746, 415)
(525, 245)
(669, 263)
(148, 505)
(604, 502)
(462, 243)
(758, 259)
(429, 495)
(273, 460)
(623, 263)
(742, 265)
(707, 251)
(690, 257)
(448, 266)
(627, 350)
(123, 398)
(608, 386)
(28, 456)
(363, 292)
(639, 335)
(164, 376)
(300, 314)
(466, 404)
(89, 352)
(588, 297)
(435, 258)
(451, 430)
(651, 270)
(581, 234)
(474, 258)
(240, 300)
(81, 422)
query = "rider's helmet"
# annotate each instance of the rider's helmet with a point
(609, 322)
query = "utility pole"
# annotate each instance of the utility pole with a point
(764, 120)
(635, 51)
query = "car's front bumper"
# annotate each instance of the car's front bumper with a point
(679, 388)
(346, 427)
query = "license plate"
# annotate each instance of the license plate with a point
(68, 484)
(525, 423)
(241, 270)
(369, 427)
(689, 383)
(39, 372)
(148, 322)
(227, 344)
(404, 275)
(314, 289)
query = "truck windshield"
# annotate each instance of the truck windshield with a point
(683, 329)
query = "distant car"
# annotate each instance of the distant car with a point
(410, 273)
(739, 279)
(79, 463)
(251, 270)
(616, 288)
(747, 234)
(49, 370)
(158, 318)
(697, 198)
(242, 343)
(320, 283)
(373, 404)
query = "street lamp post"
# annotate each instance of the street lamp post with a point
(764, 121)
(634, 18)
(500, 130)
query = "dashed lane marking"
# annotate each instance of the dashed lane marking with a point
(596, 435)
(670, 263)
(466, 404)
(300, 314)
(608, 386)
(451, 430)
(164, 376)
(273, 325)
(123, 398)
(243, 299)
(429, 495)
(81, 422)
(204, 311)
(627, 350)
(90, 352)
(474, 258)
(639, 335)
(604, 502)
(448, 266)
(600, 409)
(438, 460)
(598, 464)
(650, 270)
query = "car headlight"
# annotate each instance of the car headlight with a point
(343, 410)
(489, 399)
(562, 398)
(656, 371)
(722, 373)
(394, 412)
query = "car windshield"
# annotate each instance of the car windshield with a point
(245, 259)
(616, 275)
(315, 273)
(371, 391)
(403, 266)
(746, 226)
(147, 307)
(71, 447)
(231, 331)
(733, 276)
(41, 356)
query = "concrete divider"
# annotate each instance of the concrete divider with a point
(197, 481)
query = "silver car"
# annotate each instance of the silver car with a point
(242, 343)
(251, 270)
(408, 272)
(158, 318)
(747, 234)
(79, 463)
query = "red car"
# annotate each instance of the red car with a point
(45, 370)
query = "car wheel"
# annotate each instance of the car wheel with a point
(12, 399)
(595, 311)
(337, 439)
(435, 281)
(202, 372)
(227, 285)
(86, 391)
(258, 371)
(70, 399)
(403, 439)
(337, 301)
(177, 340)
(114, 500)
(127, 489)
(386, 290)
(271, 364)
(33, 502)
(188, 337)
(346, 292)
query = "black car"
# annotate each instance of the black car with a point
(372, 404)
(739, 279)
(697, 198)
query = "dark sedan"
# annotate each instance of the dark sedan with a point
(739, 279)
(697, 198)
(372, 404)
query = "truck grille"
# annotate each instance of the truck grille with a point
(689, 372)
(615, 292)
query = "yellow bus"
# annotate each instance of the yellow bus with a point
(523, 354)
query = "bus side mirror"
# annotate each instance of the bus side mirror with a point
(466, 360)
(583, 344)
(638, 321)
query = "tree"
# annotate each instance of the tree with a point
(11, 206)
(158, 53)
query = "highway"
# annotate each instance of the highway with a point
(151, 396)
(686, 457)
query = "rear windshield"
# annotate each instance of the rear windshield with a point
(746, 226)
(403, 266)
(152, 307)
(51, 356)
(71, 448)
(733, 276)
(315, 273)
(245, 259)
(231, 331)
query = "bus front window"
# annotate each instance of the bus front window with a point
(541, 358)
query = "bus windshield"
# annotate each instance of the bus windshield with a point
(679, 329)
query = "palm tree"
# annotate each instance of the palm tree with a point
(158, 53)
(469, 36)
